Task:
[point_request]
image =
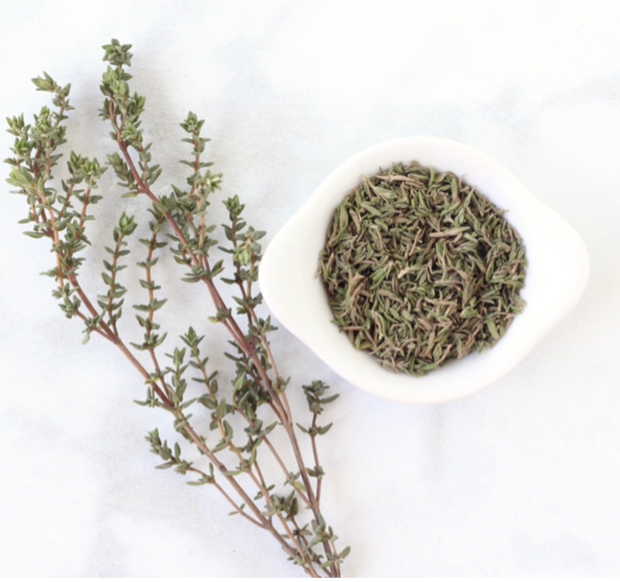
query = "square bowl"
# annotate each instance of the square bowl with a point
(556, 276)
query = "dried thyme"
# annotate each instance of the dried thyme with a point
(421, 269)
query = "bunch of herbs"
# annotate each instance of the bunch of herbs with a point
(287, 504)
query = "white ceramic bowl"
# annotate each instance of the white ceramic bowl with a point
(556, 277)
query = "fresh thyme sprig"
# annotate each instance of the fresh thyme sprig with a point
(287, 505)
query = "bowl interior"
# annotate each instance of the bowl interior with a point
(556, 276)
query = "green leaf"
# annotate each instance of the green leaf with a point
(323, 429)
(34, 234)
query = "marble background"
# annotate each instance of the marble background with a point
(522, 479)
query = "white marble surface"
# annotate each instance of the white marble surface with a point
(522, 479)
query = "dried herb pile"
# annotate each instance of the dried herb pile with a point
(421, 269)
